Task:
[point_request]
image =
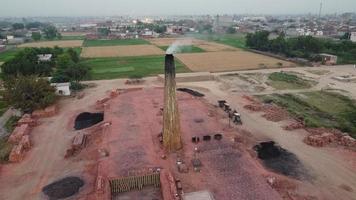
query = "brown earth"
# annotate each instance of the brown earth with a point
(228, 61)
(73, 33)
(51, 44)
(117, 51)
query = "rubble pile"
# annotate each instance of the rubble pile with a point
(50, 111)
(78, 143)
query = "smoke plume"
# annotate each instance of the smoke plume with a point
(178, 45)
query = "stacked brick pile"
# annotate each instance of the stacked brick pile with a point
(21, 139)
(294, 126)
(27, 119)
(321, 137)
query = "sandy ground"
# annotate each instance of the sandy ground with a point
(205, 45)
(331, 168)
(117, 51)
(51, 44)
(257, 79)
(228, 61)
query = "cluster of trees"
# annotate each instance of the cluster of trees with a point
(303, 46)
(50, 32)
(25, 82)
(29, 93)
(69, 69)
(26, 62)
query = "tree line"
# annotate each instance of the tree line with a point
(307, 47)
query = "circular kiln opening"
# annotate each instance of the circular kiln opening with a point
(63, 188)
(280, 160)
(86, 119)
(191, 92)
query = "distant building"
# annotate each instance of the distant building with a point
(44, 57)
(2, 48)
(328, 59)
(15, 41)
(221, 23)
(175, 29)
(353, 36)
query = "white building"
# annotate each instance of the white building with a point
(62, 89)
(44, 57)
(353, 36)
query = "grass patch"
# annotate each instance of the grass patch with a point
(5, 149)
(117, 42)
(185, 49)
(3, 107)
(318, 72)
(283, 80)
(8, 55)
(319, 109)
(124, 67)
(234, 40)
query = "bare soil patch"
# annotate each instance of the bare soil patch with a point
(51, 44)
(229, 61)
(121, 51)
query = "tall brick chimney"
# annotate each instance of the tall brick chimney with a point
(171, 124)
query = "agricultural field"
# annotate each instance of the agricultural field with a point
(185, 49)
(284, 80)
(120, 51)
(51, 44)
(118, 42)
(234, 40)
(229, 61)
(314, 108)
(132, 67)
(202, 44)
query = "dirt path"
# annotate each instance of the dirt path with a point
(330, 171)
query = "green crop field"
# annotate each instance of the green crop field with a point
(118, 42)
(234, 40)
(316, 110)
(128, 67)
(185, 49)
(283, 81)
(8, 55)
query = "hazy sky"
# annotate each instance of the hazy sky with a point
(23, 8)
